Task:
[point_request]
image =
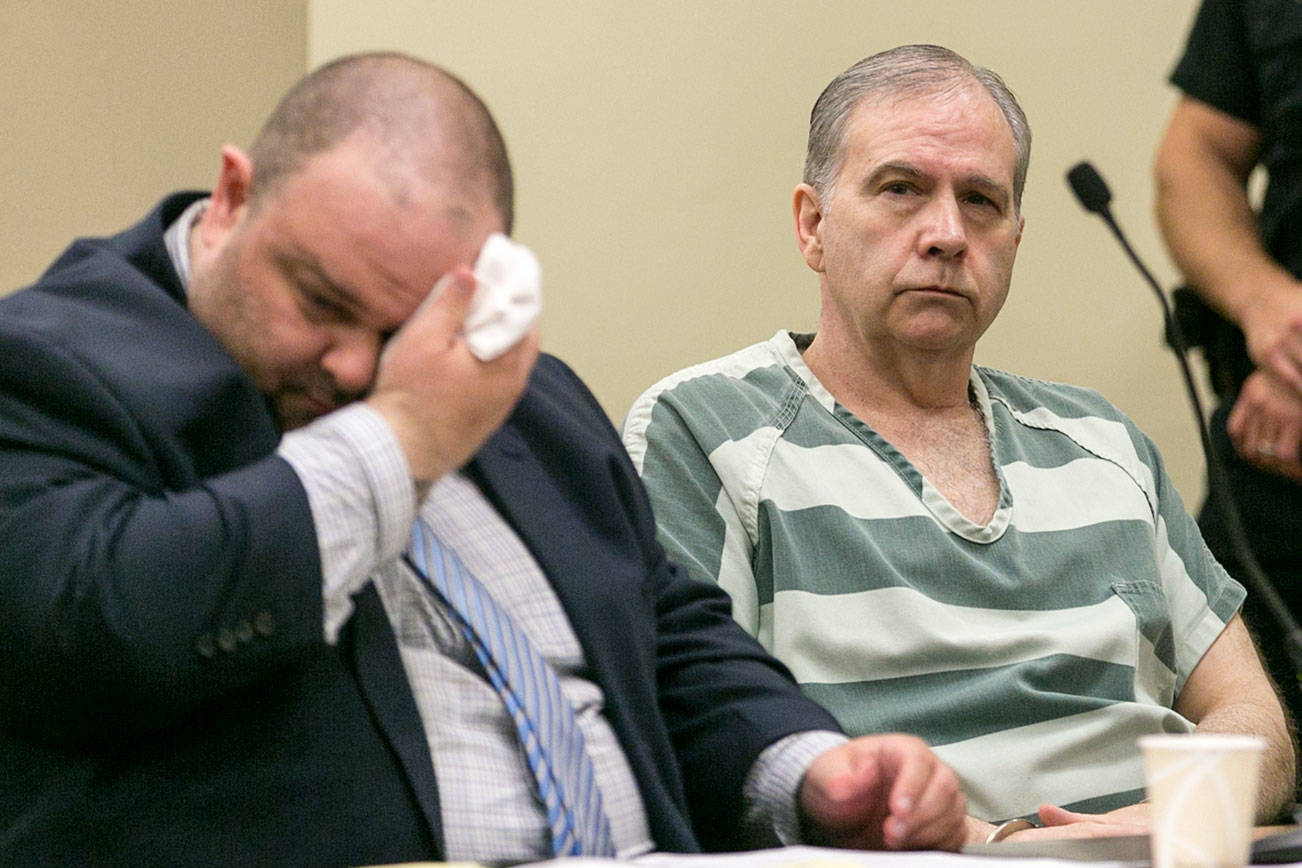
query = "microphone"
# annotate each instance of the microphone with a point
(1094, 195)
(1090, 189)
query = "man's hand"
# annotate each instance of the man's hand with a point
(1060, 823)
(1057, 823)
(441, 401)
(1271, 319)
(1266, 425)
(883, 792)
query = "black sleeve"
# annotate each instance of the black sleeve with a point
(136, 584)
(1217, 67)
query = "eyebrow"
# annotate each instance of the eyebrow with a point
(890, 170)
(298, 261)
(984, 183)
(991, 188)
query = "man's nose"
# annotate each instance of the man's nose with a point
(351, 359)
(943, 232)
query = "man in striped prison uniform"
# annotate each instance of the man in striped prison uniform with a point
(996, 563)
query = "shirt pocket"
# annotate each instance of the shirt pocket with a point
(1154, 643)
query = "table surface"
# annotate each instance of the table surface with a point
(1130, 851)
(1125, 851)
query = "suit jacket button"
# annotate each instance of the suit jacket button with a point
(244, 630)
(205, 646)
(264, 624)
(226, 639)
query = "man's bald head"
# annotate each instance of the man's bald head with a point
(419, 118)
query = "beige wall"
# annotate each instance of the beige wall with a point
(107, 106)
(657, 144)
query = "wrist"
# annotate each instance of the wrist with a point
(978, 830)
(423, 458)
(1259, 299)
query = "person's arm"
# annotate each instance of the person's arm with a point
(135, 604)
(1202, 167)
(725, 700)
(1229, 691)
(364, 478)
(128, 606)
(1265, 424)
(883, 792)
(1224, 688)
(362, 500)
(1201, 170)
(875, 792)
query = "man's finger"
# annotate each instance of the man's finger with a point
(449, 301)
(1052, 815)
(935, 817)
(913, 769)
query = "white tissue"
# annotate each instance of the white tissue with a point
(507, 300)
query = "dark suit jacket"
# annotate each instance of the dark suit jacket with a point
(165, 693)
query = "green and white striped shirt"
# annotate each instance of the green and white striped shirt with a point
(1030, 652)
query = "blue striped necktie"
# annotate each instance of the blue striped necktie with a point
(543, 718)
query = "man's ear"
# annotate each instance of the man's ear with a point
(230, 197)
(807, 209)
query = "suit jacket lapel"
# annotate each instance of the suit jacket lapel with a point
(523, 493)
(525, 496)
(384, 686)
(590, 579)
(600, 582)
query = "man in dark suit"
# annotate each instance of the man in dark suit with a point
(216, 430)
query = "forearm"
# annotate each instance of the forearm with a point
(362, 499)
(1275, 788)
(1230, 692)
(1203, 210)
(1210, 228)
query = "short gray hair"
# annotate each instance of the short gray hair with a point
(908, 69)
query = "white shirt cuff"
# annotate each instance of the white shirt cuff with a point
(771, 816)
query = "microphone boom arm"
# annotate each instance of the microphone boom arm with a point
(1093, 194)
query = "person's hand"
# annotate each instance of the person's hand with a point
(1265, 425)
(883, 792)
(1272, 324)
(441, 401)
(1057, 823)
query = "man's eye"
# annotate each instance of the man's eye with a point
(324, 305)
(899, 188)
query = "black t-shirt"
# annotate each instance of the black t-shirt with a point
(1244, 57)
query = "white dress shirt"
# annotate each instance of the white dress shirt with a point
(362, 500)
